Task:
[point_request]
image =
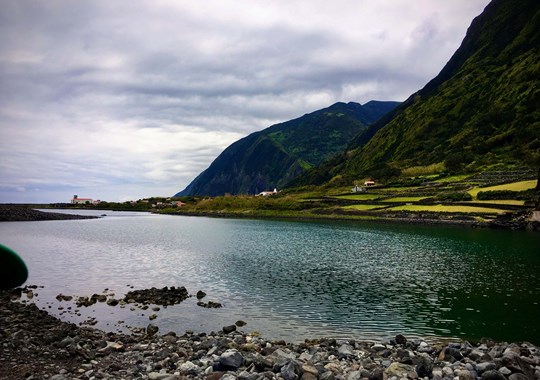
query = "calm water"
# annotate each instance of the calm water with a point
(292, 280)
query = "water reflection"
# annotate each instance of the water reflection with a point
(292, 280)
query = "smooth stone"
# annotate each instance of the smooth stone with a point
(399, 370)
(505, 371)
(229, 329)
(465, 375)
(190, 368)
(485, 366)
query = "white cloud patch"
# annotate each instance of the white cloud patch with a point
(129, 99)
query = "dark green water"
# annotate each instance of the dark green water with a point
(295, 280)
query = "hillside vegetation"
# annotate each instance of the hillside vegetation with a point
(273, 157)
(482, 109)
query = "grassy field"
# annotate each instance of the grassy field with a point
(359, 197)
(362, 207)
(511, 202)
(404, 199)
(446, 208)
(454, 178)
(515, 186)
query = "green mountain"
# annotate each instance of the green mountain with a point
(273, 157)
(483, 108)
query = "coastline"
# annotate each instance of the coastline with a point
(516, 221)
(36, 345)
(23, 213)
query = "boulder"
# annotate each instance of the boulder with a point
(424, 365)
(231, 359)
(229, 329)
(400, 339)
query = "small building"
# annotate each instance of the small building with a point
(267, 193)
(81, 201)
(369, 183)
(358, 189)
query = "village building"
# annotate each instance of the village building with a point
(81, 201)
(267, 193)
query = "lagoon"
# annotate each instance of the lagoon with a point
(291, 280)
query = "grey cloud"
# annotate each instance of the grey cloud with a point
(132, 97)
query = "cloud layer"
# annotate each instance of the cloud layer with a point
(127, 99)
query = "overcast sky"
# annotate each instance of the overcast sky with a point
(120, 100)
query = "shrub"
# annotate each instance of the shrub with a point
(416, 171)
(455, 197)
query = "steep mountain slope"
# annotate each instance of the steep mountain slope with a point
(482, 108)
(275, 156)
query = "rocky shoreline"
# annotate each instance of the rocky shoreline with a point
(16, 213)
(36, 345)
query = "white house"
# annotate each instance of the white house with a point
(369, 183)
(267, 193)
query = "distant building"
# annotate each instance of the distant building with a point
(369, 183)
(267, 193)
(358, 189)
(81, 201)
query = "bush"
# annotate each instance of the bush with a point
(416, 171)
(455, 197)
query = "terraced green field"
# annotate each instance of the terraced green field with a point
(515, 186)
(446, 208)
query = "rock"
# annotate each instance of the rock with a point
(424, 365)
(308, 368)
(309, 376)
(334, 367)
(378, 347)
(151, 329)
(190, 368)
(200, 294)
(152, 317)
(400, 339)
(465, 375)
(231, 359)
(346, 350)
(518, 376)
(240, 323)
(492, 375)
(486, 366)
(376, 374)
(159, 376)
(112, 302)
(505, 371)
(291, 370)
(328, 375)
(398, 369)
(229, 329)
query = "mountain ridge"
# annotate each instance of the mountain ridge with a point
(481, 109)
(276, 155)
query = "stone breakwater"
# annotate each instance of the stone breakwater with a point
(36, 345)
(10, 213)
